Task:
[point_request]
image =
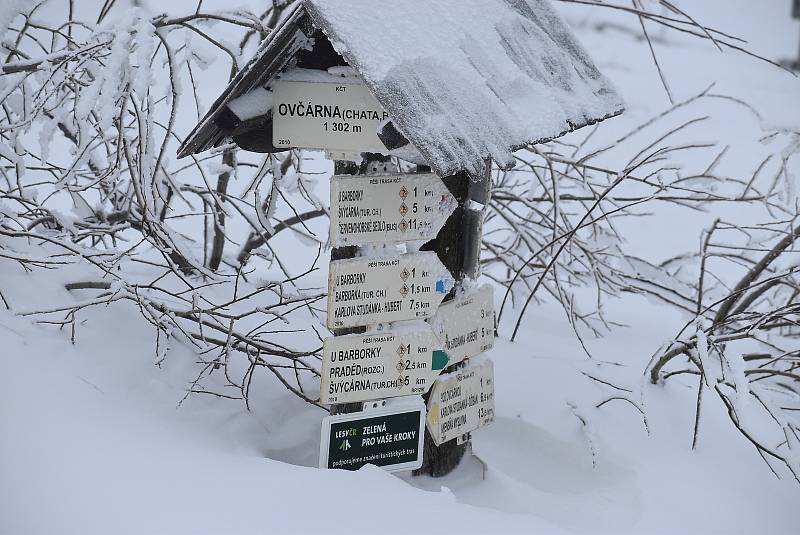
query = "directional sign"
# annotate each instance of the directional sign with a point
(386, 364)
(388, 437)
(462, 402)
(392, 208)
(382, 289)
(326, 115)
(465, 325)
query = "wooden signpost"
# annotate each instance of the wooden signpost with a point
(367, 207)
(406, 321)
(372, 204)
(401, 317)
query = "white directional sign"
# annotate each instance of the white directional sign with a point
(326, 115)
(379, 209)
(461, 402)
(382, 289)
(465, 325)
(361, 367)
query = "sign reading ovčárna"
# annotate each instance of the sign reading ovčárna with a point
(326, 115)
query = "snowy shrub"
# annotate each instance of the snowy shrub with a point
(93, 110)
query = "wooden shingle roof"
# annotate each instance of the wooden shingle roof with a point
(462, 80)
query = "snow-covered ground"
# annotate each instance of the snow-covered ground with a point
(93, 440)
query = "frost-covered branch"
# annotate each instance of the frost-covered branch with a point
(89, 119)
(745, 340)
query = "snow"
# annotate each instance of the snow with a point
(466, 80)
(252, 104)
(334, 74)
(97, 445)
(8, 12)
(205, 134)
(155, 471)
(92, 439)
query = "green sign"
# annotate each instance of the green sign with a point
(387, 437)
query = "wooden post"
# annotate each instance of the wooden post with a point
(458, 246)
(344, 167)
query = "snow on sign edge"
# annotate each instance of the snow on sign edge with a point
(399, 362)
(465, 325)
(300, 118)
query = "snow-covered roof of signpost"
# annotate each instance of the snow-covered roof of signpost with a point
(462, 80)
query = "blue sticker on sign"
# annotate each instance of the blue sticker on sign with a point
(441, 286)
